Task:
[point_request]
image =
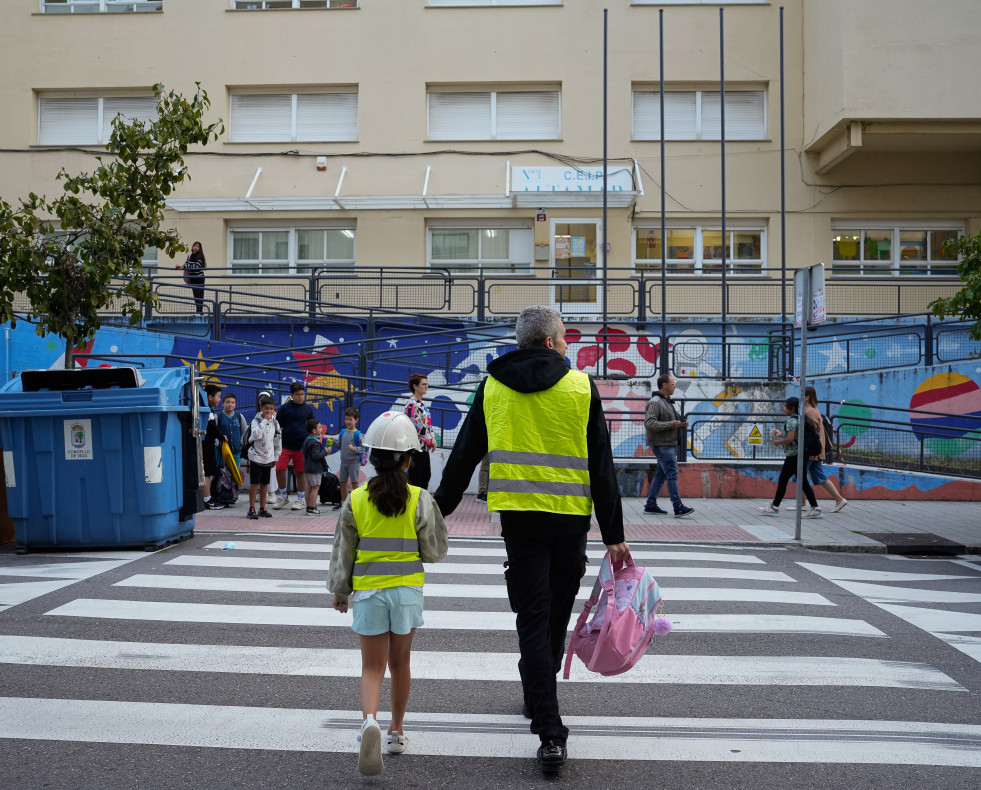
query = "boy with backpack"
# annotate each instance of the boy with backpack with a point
(351, 446)
(232, 425)
(385, 533)
(314, 463)
(262, 445)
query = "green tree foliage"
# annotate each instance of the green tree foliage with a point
(80, 254)
(966, 303)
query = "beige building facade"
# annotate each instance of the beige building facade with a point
(466, 136)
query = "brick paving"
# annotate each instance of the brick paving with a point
(735, 521)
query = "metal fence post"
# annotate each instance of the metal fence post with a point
(928, 339)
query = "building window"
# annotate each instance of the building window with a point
(882, 249)
(296, 250)
(88, 121)
(99, 6)
(272, 5)
(695, 115)
(464, 3)
(700, 2)
(698, 250)
(481, 248)
(294, 117)
(494, 115)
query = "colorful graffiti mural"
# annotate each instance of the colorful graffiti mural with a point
(341, 362)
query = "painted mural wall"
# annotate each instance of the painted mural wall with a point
(340, 365)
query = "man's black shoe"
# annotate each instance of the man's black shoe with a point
(551, 755)
(526, 711)
(655, 510)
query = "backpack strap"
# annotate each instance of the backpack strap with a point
(609, 586)
(594, 597)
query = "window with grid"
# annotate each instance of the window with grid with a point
(883, 249)
(99, 6)
(698, 250)
(475, 249)
(293, 250)
(494, 115)
(696, 115)
(331, 116)
(272, 5)
(88, 121)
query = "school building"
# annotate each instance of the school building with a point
(462, 140)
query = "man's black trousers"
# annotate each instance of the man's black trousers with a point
(543, 574)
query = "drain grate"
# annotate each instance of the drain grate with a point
(923, 543)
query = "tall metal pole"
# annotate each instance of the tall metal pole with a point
(605, 236)
(788, 352)
(722, 129)
(663, 360)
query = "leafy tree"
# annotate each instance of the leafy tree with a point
(80, 254)
(966, 303)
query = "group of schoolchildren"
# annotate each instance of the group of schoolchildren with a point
(261, 442)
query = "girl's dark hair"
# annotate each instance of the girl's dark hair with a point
(198, 256)
(389, 488)
(792, 404)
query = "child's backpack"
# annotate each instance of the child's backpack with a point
(832, 453)
(628, 614)
(812, 442)
(330, 489)
(246, 443)
(226, 492)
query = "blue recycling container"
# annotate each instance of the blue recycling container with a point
(99, 457)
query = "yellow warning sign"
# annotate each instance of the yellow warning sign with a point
(755, 436)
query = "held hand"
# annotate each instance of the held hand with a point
(618, 552)
(340, 606)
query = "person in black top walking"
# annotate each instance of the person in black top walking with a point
(292, 418)
(194, 268)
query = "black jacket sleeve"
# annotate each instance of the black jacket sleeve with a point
(469, 450)
(602, 472)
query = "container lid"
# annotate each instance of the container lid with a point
(80, 379)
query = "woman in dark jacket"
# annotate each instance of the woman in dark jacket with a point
(194, 268)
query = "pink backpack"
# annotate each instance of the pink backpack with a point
(628, 616)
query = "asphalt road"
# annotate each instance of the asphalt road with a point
(198, 667)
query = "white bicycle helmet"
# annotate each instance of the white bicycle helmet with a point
(392, 431)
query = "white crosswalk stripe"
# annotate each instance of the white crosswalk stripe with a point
(727, 594)
(952, 626)
(447, 735)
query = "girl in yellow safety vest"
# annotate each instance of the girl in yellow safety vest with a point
(385, 532)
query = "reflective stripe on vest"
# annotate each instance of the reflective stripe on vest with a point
(537, 443)
(388, 549)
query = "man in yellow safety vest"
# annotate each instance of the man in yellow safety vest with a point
(551, 465)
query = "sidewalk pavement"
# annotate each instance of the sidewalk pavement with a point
(715, 521)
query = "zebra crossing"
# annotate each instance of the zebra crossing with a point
(260, 612)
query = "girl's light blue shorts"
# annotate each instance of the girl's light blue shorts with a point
(395, 609)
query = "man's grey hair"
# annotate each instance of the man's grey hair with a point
(535, 323)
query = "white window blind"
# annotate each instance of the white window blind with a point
(68, 121)
(517, 115)
(140, 108)
(459, 116)
(694, 115)
(88, 121)
(530, 115)
(327, 116)
(289, 117)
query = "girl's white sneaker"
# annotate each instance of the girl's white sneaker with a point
(370, 755)
(395, 743)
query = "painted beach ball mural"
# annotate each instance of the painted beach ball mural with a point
(959, 428)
